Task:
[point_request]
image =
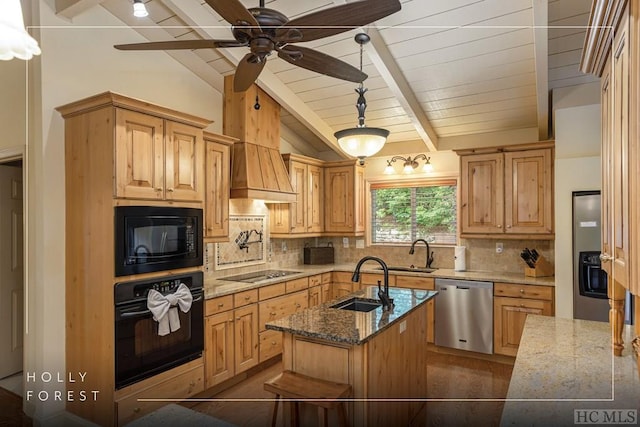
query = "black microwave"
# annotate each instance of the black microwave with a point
(155, 238)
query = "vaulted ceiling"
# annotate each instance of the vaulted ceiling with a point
(437, 68)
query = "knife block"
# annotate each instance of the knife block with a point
(542, 268)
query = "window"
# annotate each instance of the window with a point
(401, 213)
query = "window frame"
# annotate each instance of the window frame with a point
(404, 183)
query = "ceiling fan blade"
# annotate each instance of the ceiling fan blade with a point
(321, 63)
(180, 44)
(233, 12)
(339, 19)
(249, 68)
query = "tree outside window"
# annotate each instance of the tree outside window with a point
(404, 213)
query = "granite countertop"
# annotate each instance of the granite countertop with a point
(348, 326)
(566, 365)
(216, 287)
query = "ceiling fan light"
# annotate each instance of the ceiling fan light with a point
(139, 9)
(362, 141)
(15, 42)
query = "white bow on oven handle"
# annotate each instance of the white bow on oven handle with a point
(163, 308)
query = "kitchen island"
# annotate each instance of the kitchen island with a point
(381, 354)
(565, 374)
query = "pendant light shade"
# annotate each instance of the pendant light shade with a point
(361, 141)
(139, 9)
(15, 42)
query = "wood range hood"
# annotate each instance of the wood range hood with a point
(257, 171)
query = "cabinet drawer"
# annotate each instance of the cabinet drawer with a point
(326, 278)
(341, 276)
(315, 280)
(523, 291)
(297, 285)
(181, 386)
(270, 344)
(277, 308)
(415, 282)
(271, 291)
(371, 279)
(218, 305)
(245, 297)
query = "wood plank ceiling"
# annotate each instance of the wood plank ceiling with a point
(436, 69)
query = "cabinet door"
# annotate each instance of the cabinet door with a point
(339, 188)
(620, 150)
(184, 162)
(139, 152)
(315, 205)
(341, 289)
(315, 296)
(279, 217)
(528, 191)
(509, 317)
(219, 359)
(246, 337)
(481, 193)
(298, 209)
(216, 213)
(607, 168)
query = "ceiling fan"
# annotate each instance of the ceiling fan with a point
(264, 30)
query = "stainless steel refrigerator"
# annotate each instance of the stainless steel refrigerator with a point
(589, 281)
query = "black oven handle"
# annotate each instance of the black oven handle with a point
(144, 312)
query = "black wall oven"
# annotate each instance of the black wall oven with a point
(140, 352)
(154, 238)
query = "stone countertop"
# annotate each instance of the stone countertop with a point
(216, 287)
(565, 368)
(352, 327)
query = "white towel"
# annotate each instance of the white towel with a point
(163, 308)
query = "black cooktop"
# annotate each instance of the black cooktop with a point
(258, 276)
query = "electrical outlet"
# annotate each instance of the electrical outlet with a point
(403, 326)
(284, 246)
(499, 247)
(345, 242)
(359, 243)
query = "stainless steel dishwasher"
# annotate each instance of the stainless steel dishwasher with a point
(464, 315)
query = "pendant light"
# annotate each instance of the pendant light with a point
(361, 141)
(139, 9)
(15, 42)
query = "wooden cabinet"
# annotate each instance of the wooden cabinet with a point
(344, 195)
(341, 285)
(231, 336)
(118, 151)
(306, 214)
(511, 305)
(157, 159)
(428, 284)
(276, 308)
(216, 182)
(507, 194)
(319, 289)
(612, 52)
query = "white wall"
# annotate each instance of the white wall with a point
(75, 63)
(577, 167)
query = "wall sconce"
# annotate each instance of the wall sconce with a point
(410, 164)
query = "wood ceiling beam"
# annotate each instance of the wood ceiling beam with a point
(206, 25)
(388, 68)
(540, 43)
(71, 8)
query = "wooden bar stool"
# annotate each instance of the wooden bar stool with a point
(292, 385)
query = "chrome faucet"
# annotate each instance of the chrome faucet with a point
(383, 295)
(413, 248)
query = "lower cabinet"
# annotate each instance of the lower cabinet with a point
(427, 284)
(178, 383)
(341, 285)
(231, 341)
(511, 305)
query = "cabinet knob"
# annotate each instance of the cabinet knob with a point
(247, 298)
(220, 305)
(273, 343)
(508, 226)
(499, 225)
(170, 190)
(238, 318)
(136, 410)
(158, 189)
(522, 291)
(297, 305)
(273, 313)
(522, 305)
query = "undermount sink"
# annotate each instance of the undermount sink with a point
(416, 269)
(357, 304)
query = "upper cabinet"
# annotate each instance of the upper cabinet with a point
(306, 214)
(217, 180)
(507, 192)
(344, 190)
(157, 159)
